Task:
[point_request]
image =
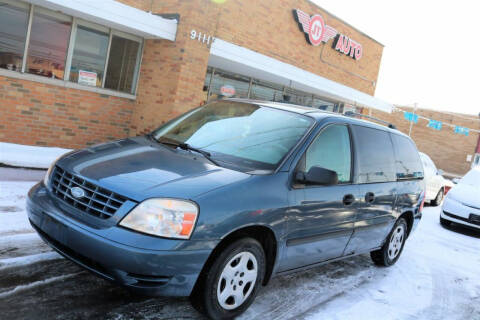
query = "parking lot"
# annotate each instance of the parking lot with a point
(436, 278)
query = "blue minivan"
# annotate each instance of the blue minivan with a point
(217, 201)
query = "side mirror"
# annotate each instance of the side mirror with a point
(440, 172)
(318, 175)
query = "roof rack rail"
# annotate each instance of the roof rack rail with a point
(355, 114)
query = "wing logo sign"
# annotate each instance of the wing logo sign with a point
(316, 32)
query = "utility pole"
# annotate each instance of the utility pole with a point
(411, 122)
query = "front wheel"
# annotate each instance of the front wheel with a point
(392, 248)
(230, 285)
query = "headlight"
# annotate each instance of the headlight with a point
(46, 179)
(168, 218)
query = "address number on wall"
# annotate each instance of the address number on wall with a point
(201, 37)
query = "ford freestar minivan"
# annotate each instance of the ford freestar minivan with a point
(214, 203)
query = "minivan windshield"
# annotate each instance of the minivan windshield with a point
(245, 135)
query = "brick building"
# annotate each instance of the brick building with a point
(77, 74)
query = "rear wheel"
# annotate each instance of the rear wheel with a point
(392, 248)
(230, 285)
(438, 199)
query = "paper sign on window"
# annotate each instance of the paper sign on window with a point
(87, 78)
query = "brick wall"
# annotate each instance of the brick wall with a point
(172, 74)
(268, 27)
(32, 113)
(447, 149)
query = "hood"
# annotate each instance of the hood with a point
(139, 168)
(465, 194)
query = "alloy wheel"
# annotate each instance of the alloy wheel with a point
(396, 242)
(237, 280)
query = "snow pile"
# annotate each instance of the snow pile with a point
(28, 259)
(13, 215)
(19, 243)
(29, 156)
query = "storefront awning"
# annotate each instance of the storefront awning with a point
(236, 59)
(115, 15)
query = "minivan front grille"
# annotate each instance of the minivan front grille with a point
(95, 200)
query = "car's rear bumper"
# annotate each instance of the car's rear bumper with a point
(152, 272)
(459, 213)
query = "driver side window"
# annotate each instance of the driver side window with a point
(331, 150)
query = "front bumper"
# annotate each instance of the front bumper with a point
(115, 255)
(457, 212)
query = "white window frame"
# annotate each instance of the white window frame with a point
(140, 42)
(75, 22)
(73, 39)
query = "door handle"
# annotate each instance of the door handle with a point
(348, 199)
(369, 197)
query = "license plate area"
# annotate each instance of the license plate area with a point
(474, 218)
(54, 228)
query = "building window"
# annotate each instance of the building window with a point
(47, 50)
(218, 82)
(323, 105)
(298, 97)
(58, 46)
(13, 33)
(122, 64)
(263, 90)
(224, 84)
(89, 56)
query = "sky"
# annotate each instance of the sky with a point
(432, 51)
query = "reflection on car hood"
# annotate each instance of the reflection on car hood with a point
(139, 169)
(466, 194)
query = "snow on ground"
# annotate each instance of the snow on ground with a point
(29, 156)
(12, 207)
(437, 277)
(19, 243)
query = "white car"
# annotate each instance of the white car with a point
(462, 203)
(436, 185)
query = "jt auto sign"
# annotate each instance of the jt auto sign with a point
(316, 32)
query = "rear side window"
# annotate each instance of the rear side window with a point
(408, 164)
(376, 162)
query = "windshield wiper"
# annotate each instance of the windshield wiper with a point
(186, 146)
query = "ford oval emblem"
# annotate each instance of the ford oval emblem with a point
(77, 192)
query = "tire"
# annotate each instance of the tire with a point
(438, 199)
(213, 295)
(445, 222)
(393, 247)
